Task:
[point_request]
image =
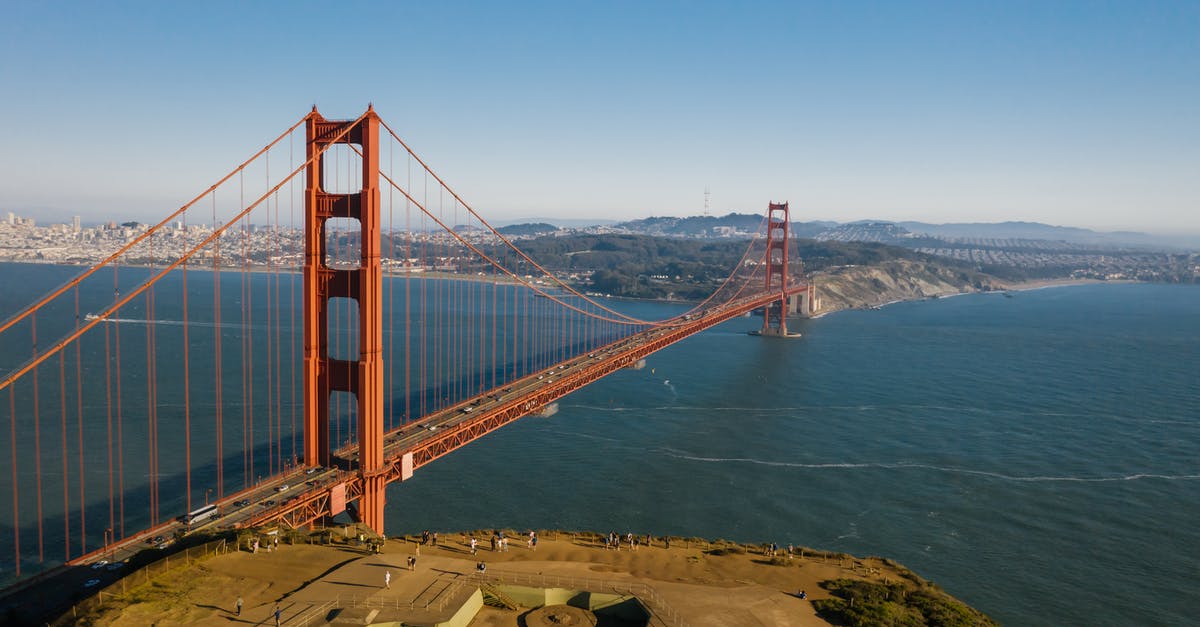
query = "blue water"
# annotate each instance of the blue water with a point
(1037, 456)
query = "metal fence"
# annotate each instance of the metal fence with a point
(142, 576)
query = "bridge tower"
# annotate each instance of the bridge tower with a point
(324, 374)
(775, 313)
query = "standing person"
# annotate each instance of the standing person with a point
(387, 579)
(474, 544)
(239, 606)
(277, 612)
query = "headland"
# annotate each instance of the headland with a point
(332, 576)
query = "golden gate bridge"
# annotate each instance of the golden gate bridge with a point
(324, 320)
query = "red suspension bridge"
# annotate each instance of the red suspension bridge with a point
(330, 315)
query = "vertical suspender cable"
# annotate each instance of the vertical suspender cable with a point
(245, 332)
(187, 394)
(408, 329)
(16, 501)
(218, 385)
(389, 363)
(149, 416)
(151, 440)
(108, 383)
(66, 477)
(120, 413)
(79, 434)
(495, 314)
(292, 293)
(37, 444)
(248, 371)
(272, 306)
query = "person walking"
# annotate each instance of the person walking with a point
(387, 579)
(239, 606)
(277, 613)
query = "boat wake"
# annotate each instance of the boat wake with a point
(946, 469)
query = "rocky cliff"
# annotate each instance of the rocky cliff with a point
(850, 287)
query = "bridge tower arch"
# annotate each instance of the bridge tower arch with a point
(776, 260)
(324, 374)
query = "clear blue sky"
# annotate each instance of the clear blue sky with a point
(1076, 113)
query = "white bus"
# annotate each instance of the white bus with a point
(200, 515)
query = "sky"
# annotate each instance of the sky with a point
(1069, 113)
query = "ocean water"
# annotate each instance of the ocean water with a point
(1037, 456)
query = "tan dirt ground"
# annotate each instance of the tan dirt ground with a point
(704, 588)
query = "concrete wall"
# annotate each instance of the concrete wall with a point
(467, 612)
(607, 604)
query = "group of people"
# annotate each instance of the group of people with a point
(499, 542)
(256, 544)
(772, 549)
(614, 541)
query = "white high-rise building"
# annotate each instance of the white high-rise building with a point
(75, 224)
(12, 218)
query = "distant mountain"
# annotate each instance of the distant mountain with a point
(728, 225)
(528, 229)
(564, 223)
(866, 231)
(908, 233)
(694, 226)
(1039, 231)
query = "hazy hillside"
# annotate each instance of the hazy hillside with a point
(644, 266)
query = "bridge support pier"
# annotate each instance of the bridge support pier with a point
(324, 373)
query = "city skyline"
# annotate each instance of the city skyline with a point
(1070, 113)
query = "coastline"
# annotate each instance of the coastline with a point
(1041, 284)
(700, 582)
(917, 290)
